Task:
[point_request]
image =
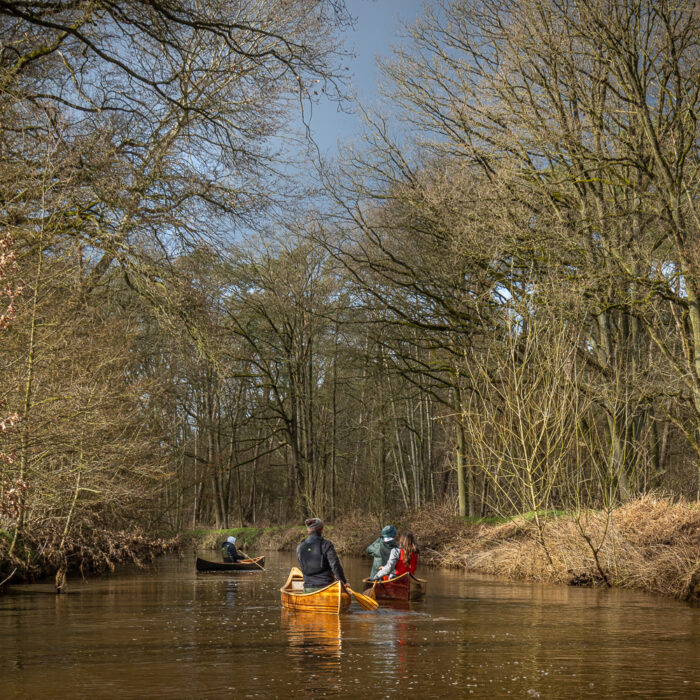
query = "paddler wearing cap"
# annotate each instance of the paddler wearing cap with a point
(386, 553)
(318, 559)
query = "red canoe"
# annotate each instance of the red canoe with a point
(403, 587)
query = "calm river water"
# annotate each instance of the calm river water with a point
(169, 632)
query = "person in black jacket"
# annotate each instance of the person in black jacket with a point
(229, 551)
(317, 558)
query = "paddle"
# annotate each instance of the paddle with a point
(254, 562)
(369, 592)
(363, 601)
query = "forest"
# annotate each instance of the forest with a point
(491, 304)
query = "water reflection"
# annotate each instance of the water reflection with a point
(315, 634)
(394, 635)
(314, 645)
(230, 594)
(172, 633)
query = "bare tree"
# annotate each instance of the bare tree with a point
(569, 115)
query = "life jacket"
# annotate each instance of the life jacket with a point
(385, 550)
(403, 566)
(311, 556)
(229, 552)
(381, 551)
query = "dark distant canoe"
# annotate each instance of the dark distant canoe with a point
(256, 564)
(403, 587)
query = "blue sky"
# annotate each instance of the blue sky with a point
(377, 28)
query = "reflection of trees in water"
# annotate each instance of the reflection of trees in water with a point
(315, 643)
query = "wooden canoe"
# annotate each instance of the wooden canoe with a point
(256, 564)
(331, 599)
(403, 587)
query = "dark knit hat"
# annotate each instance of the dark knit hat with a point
(389, 531)
(313, 523)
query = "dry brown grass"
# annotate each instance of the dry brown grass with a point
(353, 533)
(651, 543)
(281, 538)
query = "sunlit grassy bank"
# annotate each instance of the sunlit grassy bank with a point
(279, 538)
(652, 544)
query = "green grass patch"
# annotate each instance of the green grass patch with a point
(500, 520)
(245, 536)
(554, 513)
(490, 520)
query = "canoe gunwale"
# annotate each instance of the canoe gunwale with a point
(334, 595)
(207, 566)
(397, 578)
(301, 594)
(414, 587)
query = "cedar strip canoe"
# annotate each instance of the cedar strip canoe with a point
(334, 598)
(256, 564)
(403, 587)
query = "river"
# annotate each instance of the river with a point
(168, 632)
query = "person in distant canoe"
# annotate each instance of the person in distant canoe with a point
(386, 554)
(408, 558)
(229, 551)
(318, 559)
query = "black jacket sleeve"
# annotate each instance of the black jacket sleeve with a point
(333, 560)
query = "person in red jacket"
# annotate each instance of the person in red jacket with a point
(409, 554)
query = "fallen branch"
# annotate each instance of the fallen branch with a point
(2, 583)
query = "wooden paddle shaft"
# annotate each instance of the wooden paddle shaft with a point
(254, 562)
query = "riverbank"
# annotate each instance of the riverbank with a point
(94, 551)
(650, 544)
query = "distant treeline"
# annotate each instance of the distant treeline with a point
(493, 303)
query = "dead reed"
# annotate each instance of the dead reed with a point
(651, 544)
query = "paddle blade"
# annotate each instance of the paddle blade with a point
(364, 601)
(369, 593)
